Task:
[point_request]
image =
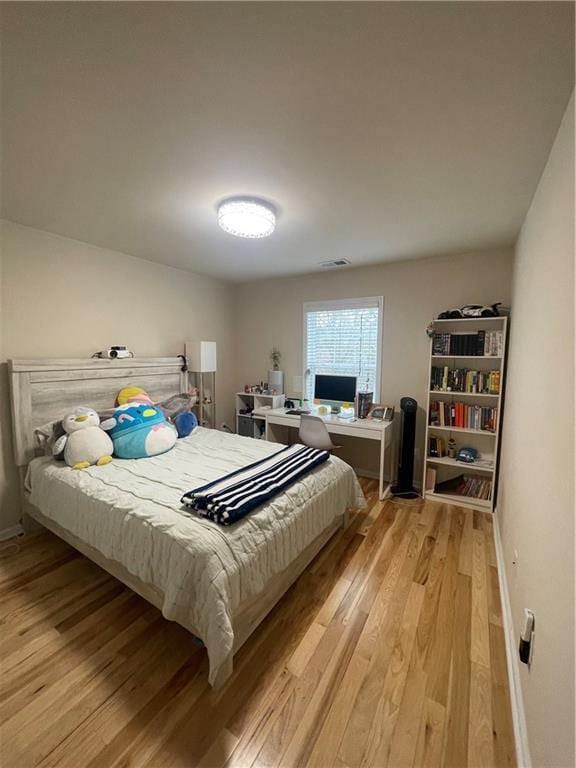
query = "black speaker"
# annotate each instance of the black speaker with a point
(404, 488)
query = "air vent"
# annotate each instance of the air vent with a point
(335, 263)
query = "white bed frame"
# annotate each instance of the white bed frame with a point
(44, 390)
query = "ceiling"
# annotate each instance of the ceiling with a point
(381, 131)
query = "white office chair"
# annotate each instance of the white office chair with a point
(314, 433)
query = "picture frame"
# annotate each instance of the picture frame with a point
(364, 403)
(380, 412)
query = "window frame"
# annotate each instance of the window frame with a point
(336, 304)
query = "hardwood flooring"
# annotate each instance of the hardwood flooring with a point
(388, 651)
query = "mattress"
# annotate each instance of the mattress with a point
(130, 512)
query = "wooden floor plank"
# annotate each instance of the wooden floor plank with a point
(480, 744)
(502, 728)
(456, 737)
(431, 736)
(438, 659)
(480, 645)
(355, 740)
(405, 739)
(388, 651)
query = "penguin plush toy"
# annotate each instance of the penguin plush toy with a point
(84, 442)
(139, 430)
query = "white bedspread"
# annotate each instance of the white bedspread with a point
(130, 511)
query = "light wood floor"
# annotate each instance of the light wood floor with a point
(388, 651)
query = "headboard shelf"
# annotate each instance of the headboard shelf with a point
(91, 363)
(44, 390)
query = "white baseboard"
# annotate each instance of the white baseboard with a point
(523, 759)
(9, 533)
(366, 473)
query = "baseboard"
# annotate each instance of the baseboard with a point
(366, 473)
(9, 533)
(523, 759)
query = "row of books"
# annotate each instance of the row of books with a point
(472, 486)
(489, 343)
(444, 379)
(463, 415)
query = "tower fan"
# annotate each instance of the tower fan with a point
(404, 487)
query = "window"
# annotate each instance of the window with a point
(343, 338)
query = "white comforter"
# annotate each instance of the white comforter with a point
(130, 511)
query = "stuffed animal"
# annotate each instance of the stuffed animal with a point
(132, 395)
(84, 442)
(185, 422)
(177, 409)
(139, 430)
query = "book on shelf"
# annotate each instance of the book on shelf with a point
(436, 447)
(481, 343)
(462, 416)
(430, 478)
(471, 486)
(446, 379)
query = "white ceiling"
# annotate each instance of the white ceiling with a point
(381, 131)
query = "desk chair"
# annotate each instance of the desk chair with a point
(314, 434)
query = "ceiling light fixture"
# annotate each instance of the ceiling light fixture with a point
(247, 217)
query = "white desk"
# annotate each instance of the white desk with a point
(364, 429)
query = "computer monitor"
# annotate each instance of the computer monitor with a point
(334, 390)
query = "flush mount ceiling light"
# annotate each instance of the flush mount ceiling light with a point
(247, 217)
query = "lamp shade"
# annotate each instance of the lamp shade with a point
(201, 356)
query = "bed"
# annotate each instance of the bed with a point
(217, 582)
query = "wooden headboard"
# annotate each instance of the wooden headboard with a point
(45, 390)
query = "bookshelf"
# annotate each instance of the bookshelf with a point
(472, 417)
(250, 412)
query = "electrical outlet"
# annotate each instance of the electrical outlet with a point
(526, 637)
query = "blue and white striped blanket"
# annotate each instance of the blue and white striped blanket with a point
(230, 498)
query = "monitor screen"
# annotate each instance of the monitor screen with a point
(336, 388)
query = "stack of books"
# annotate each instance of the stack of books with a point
(482, 343)
(467, 485)
(444, 379)
(494, 343)
(463, 416)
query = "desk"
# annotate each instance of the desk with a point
(365, 429)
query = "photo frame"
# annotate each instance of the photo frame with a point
(380, 412)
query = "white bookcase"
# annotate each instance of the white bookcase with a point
(254, 424)
(484, 441)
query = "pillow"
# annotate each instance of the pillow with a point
(45, 436)
(139, 430)
(177, 404)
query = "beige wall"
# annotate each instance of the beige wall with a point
(270, 313)
(8, 475)
(536, 499)
(63, 298)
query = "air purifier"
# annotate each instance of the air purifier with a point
(404, 487)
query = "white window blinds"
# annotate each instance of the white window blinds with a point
(343, 338)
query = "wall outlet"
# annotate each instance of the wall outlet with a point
(297, 385)
(526, 637)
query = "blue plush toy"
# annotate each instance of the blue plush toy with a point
(185, 423)
(139, 430)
